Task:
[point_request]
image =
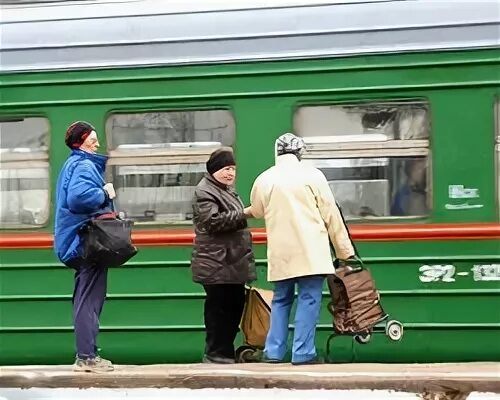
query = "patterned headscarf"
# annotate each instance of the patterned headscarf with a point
(77, 133)
(288, 143)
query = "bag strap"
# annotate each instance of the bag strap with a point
(355, 264)
(111, 215)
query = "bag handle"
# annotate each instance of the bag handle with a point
(354, 263)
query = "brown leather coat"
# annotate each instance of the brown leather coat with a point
(222, 251)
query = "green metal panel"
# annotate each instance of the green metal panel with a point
(154, 312)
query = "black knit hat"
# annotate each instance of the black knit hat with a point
(77, 133)
(219, 159)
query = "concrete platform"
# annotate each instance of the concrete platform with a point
(455, 380)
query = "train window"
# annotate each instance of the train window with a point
(375, 156)
(24, 172)
(157, 159)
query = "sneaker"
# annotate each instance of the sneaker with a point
(312, 361)
(268, 360)
(271, 360)
(217, 360)
(99, 359)
(96, 364)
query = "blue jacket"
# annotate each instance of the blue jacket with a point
(79, 197)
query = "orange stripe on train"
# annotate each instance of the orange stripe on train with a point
(184, 237)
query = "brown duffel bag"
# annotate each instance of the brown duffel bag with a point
(355, 303)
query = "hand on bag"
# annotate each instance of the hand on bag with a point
(248, 212)
(355, 263)
(110, 190)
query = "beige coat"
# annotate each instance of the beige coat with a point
(301, 219)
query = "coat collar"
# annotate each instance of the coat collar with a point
(287, 159)
(98, 159)
(215, 182)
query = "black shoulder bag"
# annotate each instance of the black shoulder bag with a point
(107, 240)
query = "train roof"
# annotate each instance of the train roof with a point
(54, 35)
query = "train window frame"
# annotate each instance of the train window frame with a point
(192, 156)
(21, 158)
(349, 147)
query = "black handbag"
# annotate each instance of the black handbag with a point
(107, 240)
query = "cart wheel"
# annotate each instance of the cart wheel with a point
(363, 338)
(394, 329)
(245, 354)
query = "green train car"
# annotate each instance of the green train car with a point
(398, 102)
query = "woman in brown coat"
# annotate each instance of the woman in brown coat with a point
(222, 259)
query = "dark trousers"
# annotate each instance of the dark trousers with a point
(223, 309)
(88, 299)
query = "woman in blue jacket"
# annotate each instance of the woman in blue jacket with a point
(81, 194)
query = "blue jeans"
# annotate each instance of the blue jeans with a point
(306, 318)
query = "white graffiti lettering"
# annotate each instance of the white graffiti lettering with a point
(437, 273)
(486, 272)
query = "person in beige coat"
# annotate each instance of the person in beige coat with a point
(302, 219)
